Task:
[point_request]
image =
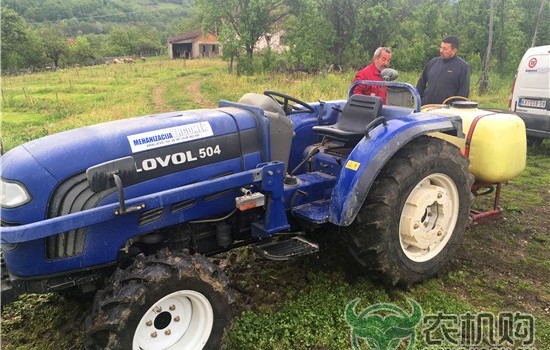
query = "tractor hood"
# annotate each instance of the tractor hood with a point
(146, 137)
(169, 150)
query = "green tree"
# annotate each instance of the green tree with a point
(14, 34)
(21, 46)
(418, 30)
(183, 25)
(231, 46)
(341, 15)
(531, 9)
(55, 44)
(244, 21)
(510, 40)
(80, 52)
(538, 22)
(309, 38)
(377, 22)
(484, 80)
(146, 40)
(33, 51)
(346, 33)
(124, 40)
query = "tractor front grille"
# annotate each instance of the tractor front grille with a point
(73, 195)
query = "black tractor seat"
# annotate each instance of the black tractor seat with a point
(358, 112)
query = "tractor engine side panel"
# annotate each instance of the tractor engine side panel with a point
(233, 146)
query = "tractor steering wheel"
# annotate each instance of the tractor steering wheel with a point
(289, 109)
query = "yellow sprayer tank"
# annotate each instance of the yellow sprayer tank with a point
(495, 142)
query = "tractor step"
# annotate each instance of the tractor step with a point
(315, 212)
(284, 250)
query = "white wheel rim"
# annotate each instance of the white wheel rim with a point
(182, 320)
(429, 217)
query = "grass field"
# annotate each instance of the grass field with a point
(503, 266)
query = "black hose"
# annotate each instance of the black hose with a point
(311, 153)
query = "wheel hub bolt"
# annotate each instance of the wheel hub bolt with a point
(416, 226)
(154, 335)
(149, 323)
(157, 309)
(172, 307)
(176, 319)
(439, 195)
(168, 331)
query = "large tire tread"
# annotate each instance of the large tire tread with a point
(370, 237)
(130, 287)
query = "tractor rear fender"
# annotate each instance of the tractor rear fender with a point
(373, 152)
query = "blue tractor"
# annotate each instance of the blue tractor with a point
(130, 210)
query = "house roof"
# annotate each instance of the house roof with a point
(189, 36)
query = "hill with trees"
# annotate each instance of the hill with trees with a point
(39, 33)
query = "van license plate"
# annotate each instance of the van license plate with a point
(526, 102)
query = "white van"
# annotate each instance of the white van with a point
(530, 97)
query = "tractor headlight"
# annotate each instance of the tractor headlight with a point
(13, 194)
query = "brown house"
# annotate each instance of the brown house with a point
(194, 45)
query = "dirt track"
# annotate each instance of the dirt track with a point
(158, 100)
(193, 90)
(198, 98)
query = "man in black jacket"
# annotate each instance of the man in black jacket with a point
(444, 76)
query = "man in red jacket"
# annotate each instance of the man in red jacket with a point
(380, 60)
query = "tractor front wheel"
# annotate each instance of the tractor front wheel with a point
(166, 301)
(415, 214)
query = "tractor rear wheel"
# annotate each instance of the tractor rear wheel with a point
(415, 214)
(166, 301)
